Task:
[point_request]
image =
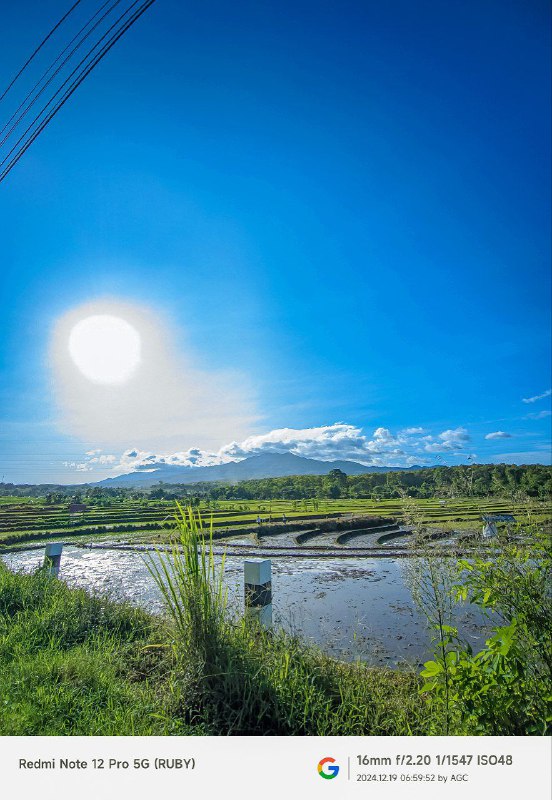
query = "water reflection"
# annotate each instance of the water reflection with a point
(352, 608)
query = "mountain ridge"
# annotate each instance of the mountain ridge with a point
(265, 465)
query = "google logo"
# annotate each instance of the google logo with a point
(331, 771)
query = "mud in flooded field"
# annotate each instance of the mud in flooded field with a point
(352, 608)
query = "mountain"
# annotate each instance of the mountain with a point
(267, 465)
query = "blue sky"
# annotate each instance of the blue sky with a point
(341, 210)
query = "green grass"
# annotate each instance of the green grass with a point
(72, 664)
(7, 499)
(131, 520)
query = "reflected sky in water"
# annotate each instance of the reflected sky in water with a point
(353, 608)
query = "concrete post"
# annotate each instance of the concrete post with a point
(490, 530)
(52, 558)
(258, 591)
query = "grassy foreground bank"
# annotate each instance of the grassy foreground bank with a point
(72, 664)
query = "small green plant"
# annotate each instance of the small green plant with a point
(506, 688)
(431, 580)
(431, 577)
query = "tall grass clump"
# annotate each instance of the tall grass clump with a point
(192, 587)
(431, 577)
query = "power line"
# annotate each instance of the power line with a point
(37, 84)
(40, 46)
(66, 81)
(74, 85)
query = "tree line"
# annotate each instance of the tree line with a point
(476, 480)
(479, 480)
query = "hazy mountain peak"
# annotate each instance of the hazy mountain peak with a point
(262, 465)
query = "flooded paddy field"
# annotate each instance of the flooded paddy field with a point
(353, 607)
(340, 568)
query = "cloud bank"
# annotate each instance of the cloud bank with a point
(447, 441)
(339, 441)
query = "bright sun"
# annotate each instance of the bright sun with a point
(106, 349)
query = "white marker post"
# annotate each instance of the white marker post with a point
(52, 558)
(258, 591)
(490, 530)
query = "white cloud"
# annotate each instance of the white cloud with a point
(534, 399)
(434, 447)
(457, 435)
(498, 435)
(327, 442)
(339, 441)
(384, 436)
(106, 459)
(81, 466)
(539, 414)
(145, 460)
(448, 440)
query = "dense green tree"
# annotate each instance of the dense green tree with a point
(477, 480)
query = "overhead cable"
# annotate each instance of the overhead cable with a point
(22, 145)
(52, 65)
(37, 49)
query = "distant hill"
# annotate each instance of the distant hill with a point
(267, 465)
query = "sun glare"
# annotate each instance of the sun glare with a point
(105, 348)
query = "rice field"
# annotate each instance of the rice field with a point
(24, 521)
